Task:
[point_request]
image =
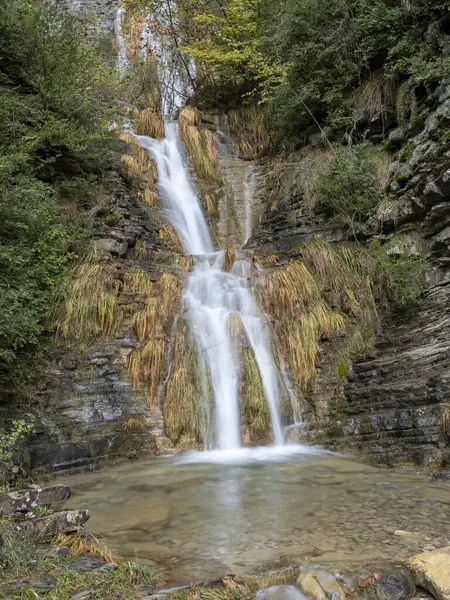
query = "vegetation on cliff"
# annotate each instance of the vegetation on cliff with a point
(57, 96)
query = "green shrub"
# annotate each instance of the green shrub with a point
(398, 281)
(9, 442)
(351, 184)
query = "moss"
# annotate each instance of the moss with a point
(342, 368)
(403, 155)
(114, 218)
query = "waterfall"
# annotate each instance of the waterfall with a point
(212, 295)
(122, 59)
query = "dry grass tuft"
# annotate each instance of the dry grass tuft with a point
(375, 96)
(392, 209)
(88, 306)
(446, 420)
(229, 258)
(183, 390)
(139, 163)
(185, 263)
(129, 138)
(149, 197)
(152, 324)
(79, 544)
(212, 204)
(168, 232)
(150, 123)
(136, 424)
(248, 126)
(317, 297)
(202, 145)
(255, 407)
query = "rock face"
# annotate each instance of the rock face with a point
(431, 571)
(85, 397)
(394, 404)
(103, 10)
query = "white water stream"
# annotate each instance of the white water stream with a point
(213, 296)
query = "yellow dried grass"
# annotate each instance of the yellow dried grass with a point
(152, 324)
(181, 417)
(149, 197)
(446, 420)
(256, 409)
(88, 306)
(202, 145)
(168, 232)
(79, 544)
(136, 424)
(150, 122)
(229, 258)
(248, 126)
(317, 297)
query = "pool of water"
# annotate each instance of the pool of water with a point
(201, 517)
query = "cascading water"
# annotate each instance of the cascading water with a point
(122, 59)
(212, 295)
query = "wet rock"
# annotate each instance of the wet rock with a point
(318, 584)
(280, 592)
(86, 562)
(161, 592)
(393, 582)
(431, 570)
(82, 596)
(15, 589)
(27, 499)
(65, 521)
(57, 553)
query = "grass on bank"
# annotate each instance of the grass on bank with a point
(20, 559)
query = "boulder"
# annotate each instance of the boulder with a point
(280, 592)
(65, 521)
(431, 570)
(25, 500)
(112, 246)
(391, 582)
(318, 584)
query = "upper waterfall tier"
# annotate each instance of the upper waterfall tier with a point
(178, 196)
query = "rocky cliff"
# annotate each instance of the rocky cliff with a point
(393, 404)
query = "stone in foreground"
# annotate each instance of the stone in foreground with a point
(66, 521)
(27, 499)
(393, 582)
(280, 592)
(431, 570)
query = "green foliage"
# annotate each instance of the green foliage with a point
(56, 103)
(307, 57)
(9, 442)
(350, 183)
(398, 280)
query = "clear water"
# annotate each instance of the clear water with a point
(245, 510)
